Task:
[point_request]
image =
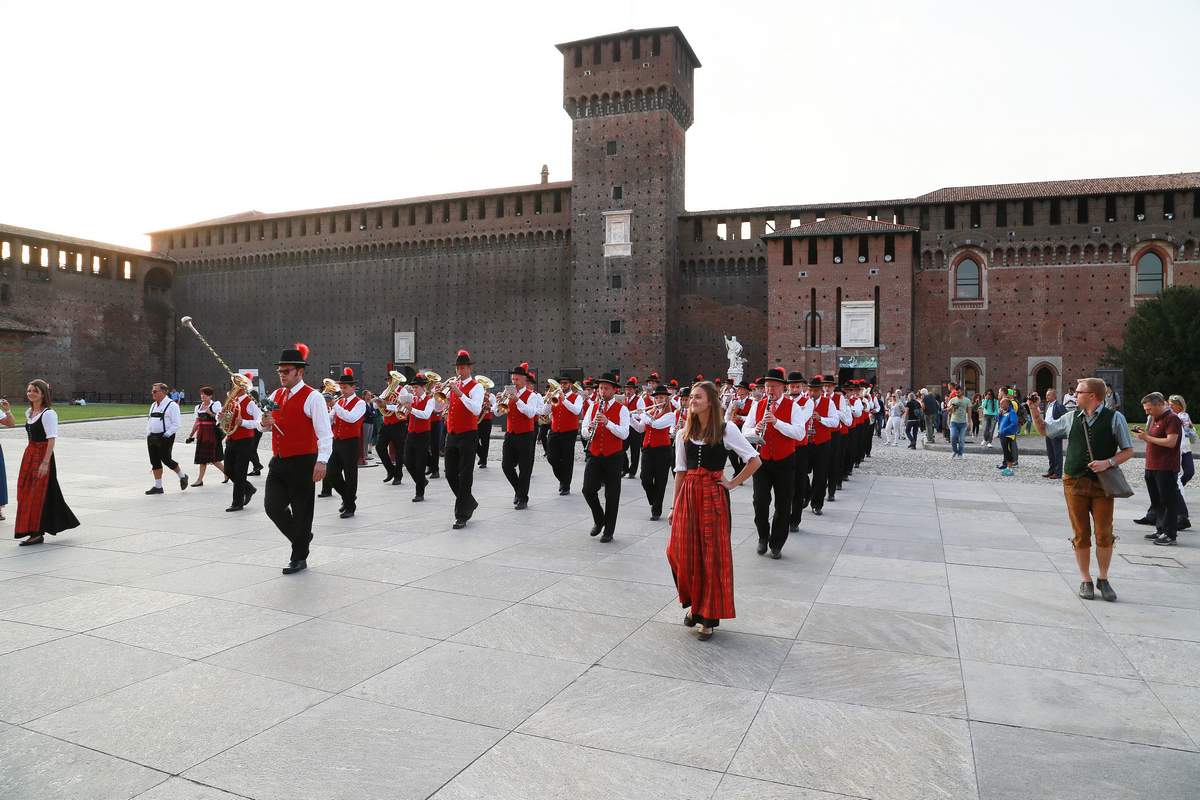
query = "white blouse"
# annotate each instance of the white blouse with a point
(49, 421)
(734, 440)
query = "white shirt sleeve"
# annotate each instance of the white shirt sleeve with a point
(667, 420)
(844, 411)
(50, 423)
(171, 419)
(573, 407)
(253, 415)
(620, 429)
(531, 408)
(424, 413)
(637, 422)
(832, 420)
(735, 441)
(352, 414)
(474, 400)
(788, 427)
(215, 408)
(804, 411)
(314, 409)
(749, 424)
(680, 453)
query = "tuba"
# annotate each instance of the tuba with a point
(395, 381)
(329, 386)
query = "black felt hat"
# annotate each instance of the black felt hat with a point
(661, 391)
(463, 357)
(521, 369)
(795, 376)
(775, 374)
(294, 356)
(419, 380)
(744, 384)
(347, 376)
(815, 382)
(609, 378)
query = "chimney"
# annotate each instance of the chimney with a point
(545, 174)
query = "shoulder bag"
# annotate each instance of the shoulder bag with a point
(1112, 480)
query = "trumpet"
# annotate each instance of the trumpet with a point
(505, 402)
(437, 388)
(328, 386)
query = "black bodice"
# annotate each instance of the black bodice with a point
(705, 456)
(207, 416)
(35, 430)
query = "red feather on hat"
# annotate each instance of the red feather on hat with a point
(463, 353)
(347, 373)
(303, 348)
(525, 365)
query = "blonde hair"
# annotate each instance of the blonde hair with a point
(714, 430)
(1095, 385)
(1178, 400)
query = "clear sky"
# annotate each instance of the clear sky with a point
(124, 117)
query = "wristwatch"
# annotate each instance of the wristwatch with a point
(1111, 463)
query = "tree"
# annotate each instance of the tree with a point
(1160, 351)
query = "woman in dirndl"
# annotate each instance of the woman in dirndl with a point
(699, 551)
(204, 433)
(41, 508)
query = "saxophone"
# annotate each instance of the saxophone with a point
(230, 418)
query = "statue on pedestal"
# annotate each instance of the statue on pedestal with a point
(733, 351)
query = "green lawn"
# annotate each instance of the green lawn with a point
(93, 410)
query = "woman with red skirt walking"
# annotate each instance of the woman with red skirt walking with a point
(41, 508)
(699, 552)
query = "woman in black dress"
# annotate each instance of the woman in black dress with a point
(204, 433)
(41, 508)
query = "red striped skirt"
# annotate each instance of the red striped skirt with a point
(699, 552)
(40, 504)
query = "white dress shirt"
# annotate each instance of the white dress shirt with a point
(843, 408)
(733, 440)
(473, 400)
(530, 409)
(422, 413)
(619, 429)
(574, 406)
(352, 414)
(253, 415)
(49, 421)
(639, 422)
(170, 420)
(793, 427)
(834, 418)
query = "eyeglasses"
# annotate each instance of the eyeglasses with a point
(285, 370)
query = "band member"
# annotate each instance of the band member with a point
(837, 448)
(462, 437)
(798, 393)
(437, 438)
(204, 434)
(254, 459)
(541, 422)
(416, 444)
(736, 412)
(301, 444)
(858, 418)
(635, 401)
(655, 425)
(393, 435)
(239, 448)
(780, 425)
(41, 508)
(161, 426)
(673, 385)
(871, 408)
(699, 551)
(565, 409)
(681, 409)
(327, 483)
(347, 419)
(607, 423)
(823, 428)
(486, 420)
(520, 438)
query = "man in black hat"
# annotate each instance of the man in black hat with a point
(564, 430)
(798, 393)
(462, 437)
(416, 442)
(520, 438)
(607, 422)
(654, 426)
(825, 423)
(777, 422)
(347, 418)
(635, 402)
(301, 444)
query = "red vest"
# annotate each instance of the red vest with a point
(820, 433)
(343, 429)
(518, 422)
(562, 420)
(742, 408)
(487, 409)
(458, 418)
(296, 435)
(840, 403)
(775, 446)
(605, 443)
(860, 417)
(416, 425)
(239, 432)
(657, 437)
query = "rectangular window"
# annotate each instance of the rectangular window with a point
(637, 48)
(1139, 207)
(79, 262)
(820, 216)
(768, 226)
(395, 218)
(698, 230)
(520, 210)
(1196, 204)
(261, 235)
(289, 229)
(812, 317)
(837, 250)
(537, 203)
(722, 234)
(481, 212)
(864, 251)
(45, 257)
(62, 259)
(656, 45)
(195, 239)
(499, 207)
(1027, 212)
(595, 53)
(412, 215)
(378, 219)
(127, 270)
(744, 232)
(558, 202)
(346, 222)
(303, 226)
(899, 216)
(275, 230)
(170, 246)
(95, 265)
(924, 218)
(220, 236)
(1055, 212)
(975, 215)
(794, 222)
(787, 252)
(1110, 208)
(317, 226)
(445, 212)
(1001, 214)
(578, 56)
(889, 247)
(949, 217)
(615, 326)
(812, 251)
(618, 192)
(429, 214)
(616, 51)
(610, 148)
(1169, 205)
(1081, 211)
(614, 281)
(208, 238)
(462, 211)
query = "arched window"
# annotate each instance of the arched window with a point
(969, 379)
(966, 280)
(1149, 273)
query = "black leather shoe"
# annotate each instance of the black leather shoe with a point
(830, 499)
(1146, 520)
(347, 514)
(1087, 590)
(793, 528)
(255, 472)
(295, 566)
(31, 540)
(420, 498)
(389, 478)
(563, 492)
(1106, 591)
(596, 530)
(483, 466)
(762, 546)
(817, 511)
(655, 517)
(607, 537)
(324, 494)
(235, 508)
(775, 554)
(1183, 526)
(689, 620)
(341, 508)
(154, 490)
(183, 483)
(459, 524)
(521, 506)
(250, 492)
(435, 475)
(516, 499)
(396, 481)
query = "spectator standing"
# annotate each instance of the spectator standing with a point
(895, 420)
(1054, 444)
(912, 420)
(957, 406)
(1187, 467)
(1097, 440)
(990, 407)
(1009, 428)
(930, 408)
(976, 413)
(1163, 436)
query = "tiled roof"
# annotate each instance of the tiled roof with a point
(841, 226)
(1086, 186)
(248, 216)
(45, 236)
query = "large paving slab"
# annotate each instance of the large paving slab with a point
(922, 639)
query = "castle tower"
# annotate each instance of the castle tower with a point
(630, 99)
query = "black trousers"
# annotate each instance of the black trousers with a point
(396, 434)
(773, 478)
(543, 437)
(415, 456)
(237, 464)
(460, 471)
(159, 448)
(657, 463)
(560, 449)
(818, 462)
(435, 446)
(343, 467)
(517, 461)
(833, 480)
(604, 471)
(633, 449)
(289, 498)
(485, 441)
(867, 437)
(911, 429)
(1054, 455)
(1163, 488)
(801, 490)
(254, 451)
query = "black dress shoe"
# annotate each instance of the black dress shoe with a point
(607, 537)
(435, 475)
(154, 490)
(516, 499)
(295, 566)
(1106, 591)
(341, 508)
(483, 466)
(324, 494)
(420, 498)
(830, 499)
(762, 546)
(689, 620)
(1087, 590)
(1146, 520)
(521, 506)
(235, 507)
(775, 554)
(655, 517)
(347, 514)
(396, 481)
(183, 482)
(817, 511)
(563, 492)
(250, 492)
(389, 478)
(31, 540)
(596, 530)
(459, 524)
(1183, 526)
(257, 471)
(793, 528)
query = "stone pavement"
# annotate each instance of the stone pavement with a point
(920, 640)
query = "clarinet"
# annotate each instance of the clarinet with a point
(596, 419)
